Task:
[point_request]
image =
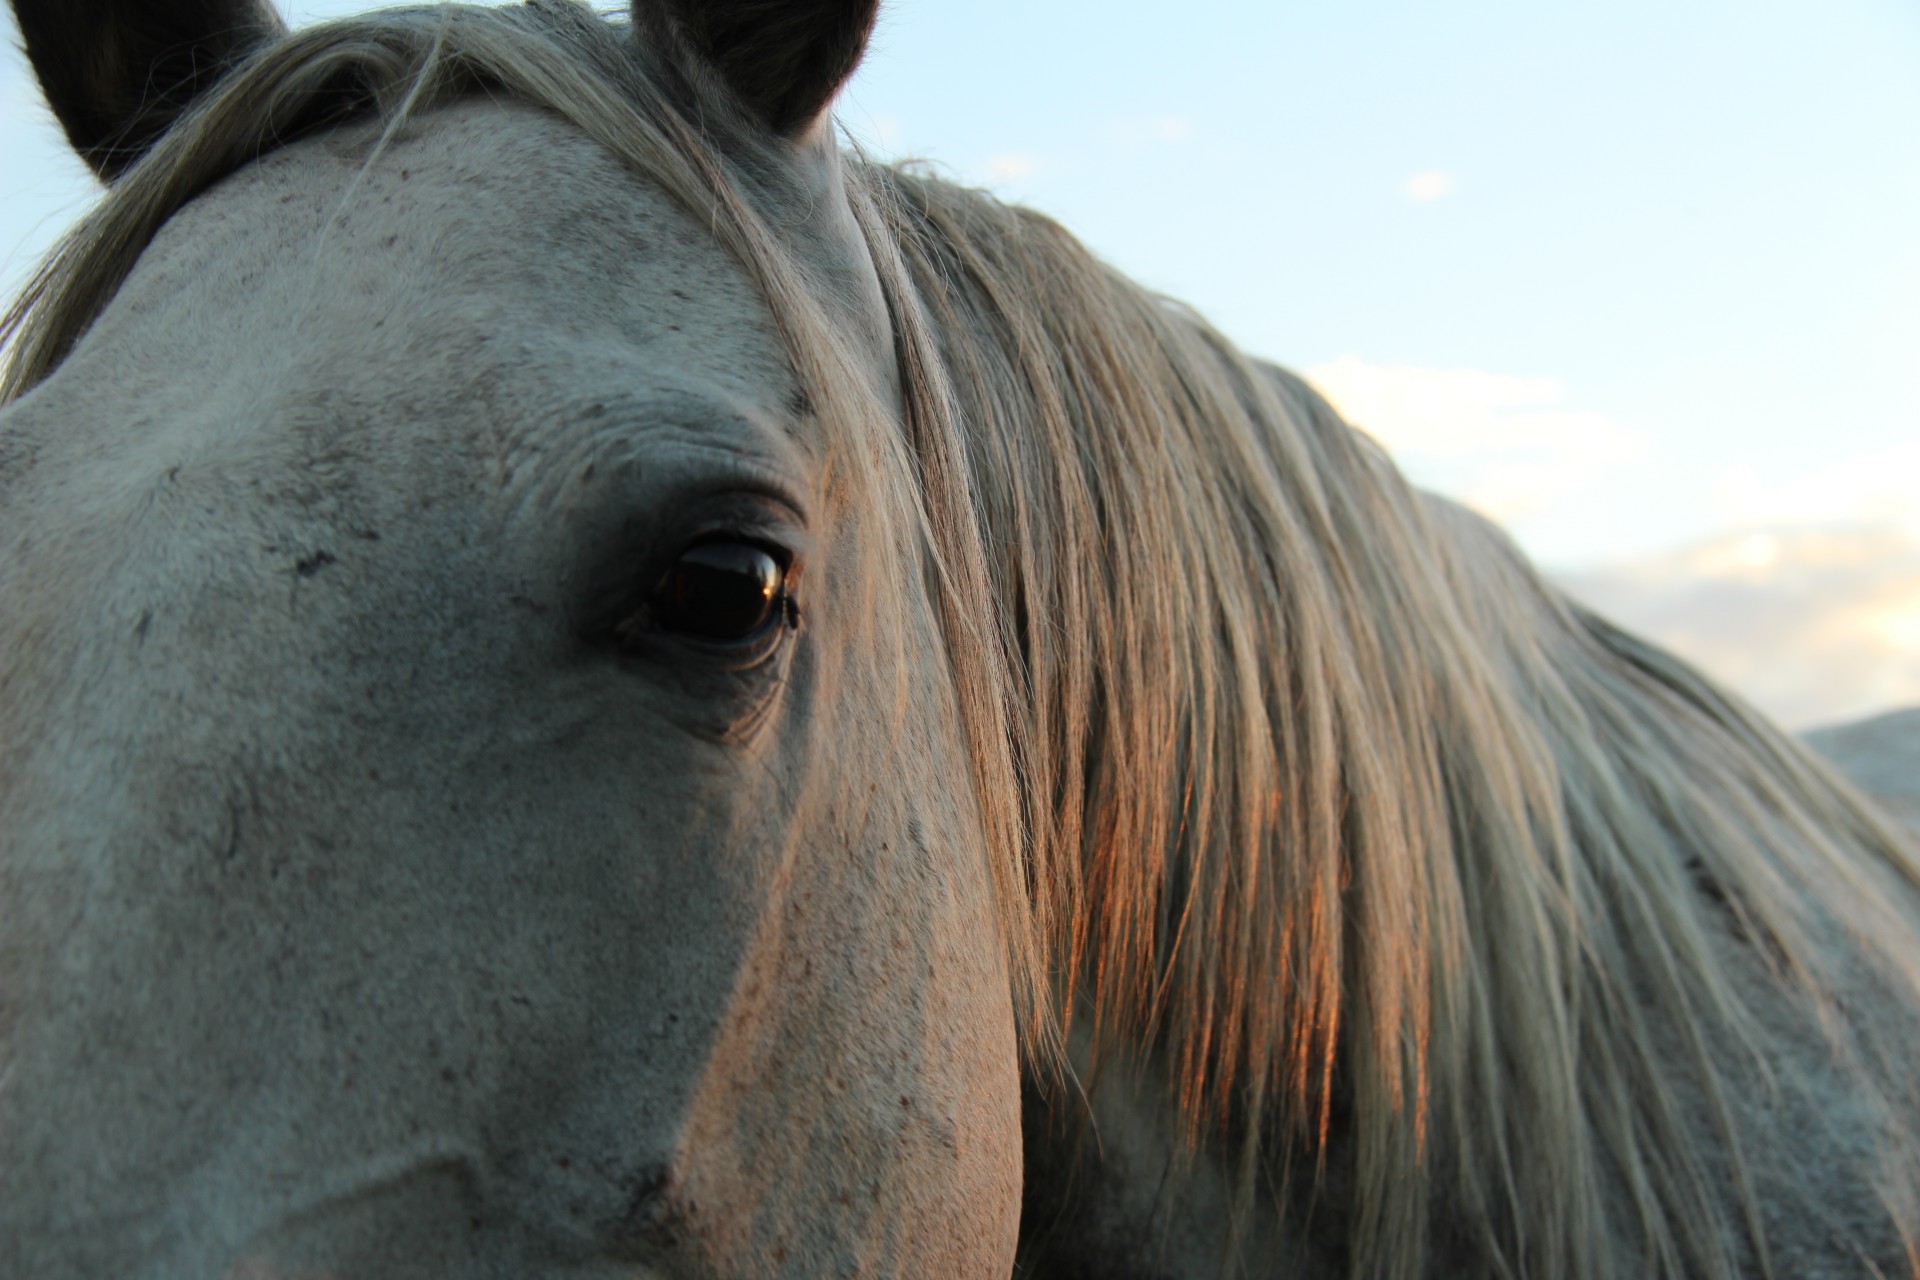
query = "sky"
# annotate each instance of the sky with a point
(1641, 280)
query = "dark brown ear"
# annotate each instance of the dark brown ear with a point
(784, 59)
(118, 72)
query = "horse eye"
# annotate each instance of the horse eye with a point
(722, 591)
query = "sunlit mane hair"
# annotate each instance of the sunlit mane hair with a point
(1301, 785)
(1349, 818)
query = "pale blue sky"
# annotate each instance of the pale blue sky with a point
(1634, 276)
(1703, 218)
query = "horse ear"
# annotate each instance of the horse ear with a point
(785, 59)
(117, 73)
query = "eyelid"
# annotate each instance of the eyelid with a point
(783, 541)
(744, 488)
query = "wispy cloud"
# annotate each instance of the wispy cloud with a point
(887, 131)
(1809, 605)
(1510, 447)
(1431, 185)
(1012, 166)
(1814, 625)
(1132, 132)
(1880, 487)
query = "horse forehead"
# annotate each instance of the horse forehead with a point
(485, 238)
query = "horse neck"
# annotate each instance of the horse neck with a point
(1113, 1188)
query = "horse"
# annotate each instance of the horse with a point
(592, 684)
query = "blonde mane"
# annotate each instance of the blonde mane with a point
(1300, 783)
(1339, 809)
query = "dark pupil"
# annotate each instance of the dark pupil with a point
(721, 591)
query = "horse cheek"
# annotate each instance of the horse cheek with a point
(860, 1111)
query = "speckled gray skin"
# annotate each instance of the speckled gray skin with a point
(359, 919)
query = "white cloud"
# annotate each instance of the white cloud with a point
(1882, 487)
(1507, 446)
(1133, 132)
(1813, 624)
(1425, 188)
(1011, 166)
(888, 132)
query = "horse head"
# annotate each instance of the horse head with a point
(591, 685)
(484, 786)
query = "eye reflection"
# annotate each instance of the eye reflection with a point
(723, 591)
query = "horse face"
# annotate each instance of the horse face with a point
(460, 816)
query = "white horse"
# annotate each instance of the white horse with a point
(590, 686)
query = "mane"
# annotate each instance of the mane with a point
(1298, 782)
(1383, 850)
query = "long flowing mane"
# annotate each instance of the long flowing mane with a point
(1404, 870)
(1343, 811)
